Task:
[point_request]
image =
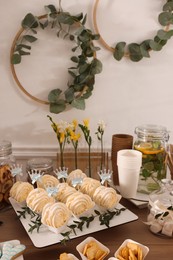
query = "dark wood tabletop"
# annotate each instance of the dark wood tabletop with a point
(160, 248)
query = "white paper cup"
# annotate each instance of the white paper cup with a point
(129, 163)
(130, 159)
(128, 182)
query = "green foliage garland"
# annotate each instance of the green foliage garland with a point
(86, 64)
(137, 51)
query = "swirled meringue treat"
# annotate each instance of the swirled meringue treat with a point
(55, 215)
(79, 203)
(89, 186)
(65, 256)
(75, 175)
(37, 199)
(47, 180)
(64, 191)
(106, 197)
(20, 191)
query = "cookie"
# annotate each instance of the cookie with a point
(11, 252)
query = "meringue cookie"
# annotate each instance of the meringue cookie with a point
(47, 180)
(106, 197)
(79, 203)
(89, 186)
(37, 199)
(20, 191)
(55, 214)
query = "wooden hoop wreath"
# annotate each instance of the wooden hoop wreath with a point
(19, 84)
(138, 51)
(86, 63)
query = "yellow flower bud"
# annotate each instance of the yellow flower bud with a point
(86, 123)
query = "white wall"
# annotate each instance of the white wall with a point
(126, 94)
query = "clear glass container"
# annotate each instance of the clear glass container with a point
(7, 160)
(160, 217)
(152, 141)
(41, 165)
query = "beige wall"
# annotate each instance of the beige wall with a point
(126, 94)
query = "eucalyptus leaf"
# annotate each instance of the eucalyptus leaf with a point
(96, 67)
(30, 21)
(119, 50)
(21, 52)
(144, 48)
(16, 58)
(158, 40)
(83, 67)
(135, 52)
(74, 59)
(65, 18)
(168, 6)
(165, 18)
(155, 46)
(54, 95)
(87, 95)
(69, 95)
(50, 9)
(79, 103)
(57, 107)
(29, 38)
(164, 35)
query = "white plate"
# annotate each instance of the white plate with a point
(45, 237)
(14, 242)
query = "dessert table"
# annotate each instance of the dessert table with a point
(160, 248)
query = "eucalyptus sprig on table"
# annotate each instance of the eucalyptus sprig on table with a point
(36, 222)
(104, 219)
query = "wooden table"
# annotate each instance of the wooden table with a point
(160, 248)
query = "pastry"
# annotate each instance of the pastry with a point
(64, 191)
(20, 191)
(47, 180)
(6, 182)
(65, 256)
(75, 175)
(106, 197)
(55, 214)
(11, 252)
(89, 186)
(79, 203)
(37, 199)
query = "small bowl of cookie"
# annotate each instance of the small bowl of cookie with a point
(91, 248)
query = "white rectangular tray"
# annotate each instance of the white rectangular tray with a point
(45, 237)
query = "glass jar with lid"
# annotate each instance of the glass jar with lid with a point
(7, 159)
(40, 165)
(160, 217)
(152, 141)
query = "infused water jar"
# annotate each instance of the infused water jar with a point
(152, 141)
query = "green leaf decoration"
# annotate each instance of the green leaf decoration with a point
(96, 67)
(168, 6)
(54, 95)
(50, 9)
(165, 18)
(69, 95)
(119, 51)
(57, 107)
(86, 65)
(163, 35)
(16, 58)
(155, 45)
(79, 103)
(135, 52)
(29, 38)
(144, 48)
(30, 21)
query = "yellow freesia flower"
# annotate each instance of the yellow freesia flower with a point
(75, 123)
(62, 137)
(86, 123)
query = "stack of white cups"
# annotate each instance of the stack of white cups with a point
(129, 162)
